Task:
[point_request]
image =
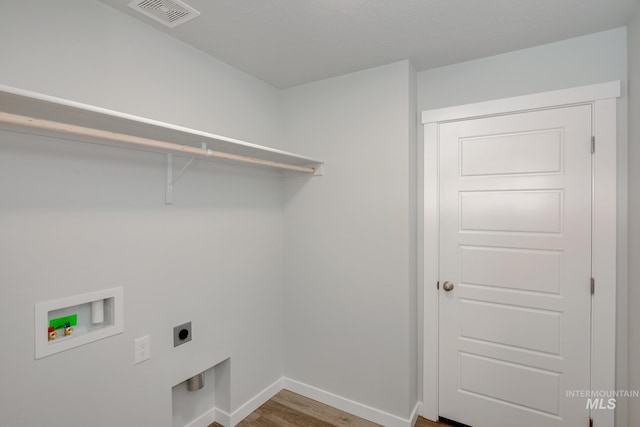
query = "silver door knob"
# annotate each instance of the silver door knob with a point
(447, 286)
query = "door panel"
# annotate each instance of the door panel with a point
(528, 328)
(512, 154)
(511, 211)
(541, 394)
(515, 239)
(519, 269)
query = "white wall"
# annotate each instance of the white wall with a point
(350, 239)
(89, 52)
(575, 62)
(634, 215)
(79, 217)
(415, 319)
(595, 58)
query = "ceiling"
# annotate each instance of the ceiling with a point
(291, 42)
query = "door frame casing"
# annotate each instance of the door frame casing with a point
(602, 97)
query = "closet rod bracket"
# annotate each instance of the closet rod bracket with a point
(170, 180)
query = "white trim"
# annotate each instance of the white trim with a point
(603, 352)
(576, 95)
(204, 420)
(604, 265)
(338, 402)
(248, 407)
(354, 408)
(222, 417)
(415, 414)
(429, 408)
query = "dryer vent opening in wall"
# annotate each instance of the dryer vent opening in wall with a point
(168, 12)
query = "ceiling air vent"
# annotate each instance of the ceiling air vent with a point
(168, 12)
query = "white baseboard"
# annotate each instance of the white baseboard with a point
(204, 420)
(416, 413)
(229, 420)
(223, 418)
(428, 413)
(355, 408)
(350, 406)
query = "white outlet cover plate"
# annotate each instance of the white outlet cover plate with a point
(142, 349)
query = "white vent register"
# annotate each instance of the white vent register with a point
(168, 12)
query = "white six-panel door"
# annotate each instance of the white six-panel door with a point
(515, 243)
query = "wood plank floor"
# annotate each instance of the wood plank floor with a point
(288, 409)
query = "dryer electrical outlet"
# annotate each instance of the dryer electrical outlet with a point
(182, 334)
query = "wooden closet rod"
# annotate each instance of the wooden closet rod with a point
(15, 119)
